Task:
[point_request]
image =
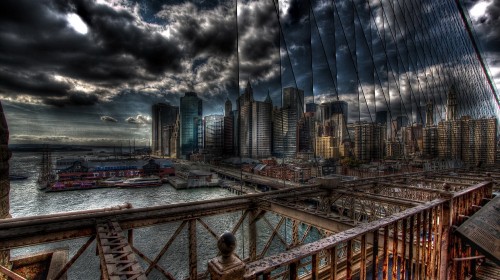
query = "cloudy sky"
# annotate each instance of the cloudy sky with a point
(87, 72)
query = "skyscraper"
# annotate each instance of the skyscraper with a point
(261, 128)
(381, 117)
(311, 107)
(429, 114)
(254, 125)
(164, 117)
(245, 121)
(421, 115)
(191, 110)
(306, 133)
(470, 141)
(228, 143)
(396, 127)
(228, 107)
(214, 134)
(292, 111)
(332, 120)
(369, 141)
(451, 105)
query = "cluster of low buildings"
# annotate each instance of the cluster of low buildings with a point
(290, 172)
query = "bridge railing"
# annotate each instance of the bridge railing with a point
(417, 242)
(168, 242)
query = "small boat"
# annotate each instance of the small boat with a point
(17, 177)
(111, 182)
(152, 181)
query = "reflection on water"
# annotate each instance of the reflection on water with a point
(27, 200)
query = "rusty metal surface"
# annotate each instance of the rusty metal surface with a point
(268, 264)
(117, 258)
(482, 230)
(294, 255)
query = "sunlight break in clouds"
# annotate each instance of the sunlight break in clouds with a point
(479, 9)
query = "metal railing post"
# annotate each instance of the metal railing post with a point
(227, 266)
(447, 216)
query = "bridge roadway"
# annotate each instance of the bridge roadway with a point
(274, 183)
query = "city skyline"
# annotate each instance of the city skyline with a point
(85, 83)
(259, 131)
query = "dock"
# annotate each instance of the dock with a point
(177, 182)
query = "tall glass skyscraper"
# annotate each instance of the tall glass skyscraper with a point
(164, 117)
(291, 111)
(191, 110)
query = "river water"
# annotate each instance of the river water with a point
(27, 200)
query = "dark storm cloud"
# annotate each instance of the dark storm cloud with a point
(73, 99)
(39, 84)
(258, 41)
(116, 32)
(487, 27)
(297, 11)
(38, 43)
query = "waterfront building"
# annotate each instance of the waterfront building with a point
(164, 129)
(191, 110)
(214, 134)
(369, 141)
